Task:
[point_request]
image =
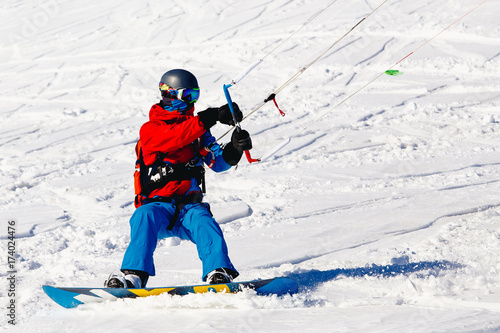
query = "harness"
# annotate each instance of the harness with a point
(161, 173)
(150, 178)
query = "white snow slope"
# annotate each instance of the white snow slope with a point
(386, 211)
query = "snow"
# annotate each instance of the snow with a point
(386, 210)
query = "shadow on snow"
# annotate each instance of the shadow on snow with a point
(311, 279)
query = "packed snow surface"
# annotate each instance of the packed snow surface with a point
(384, 208)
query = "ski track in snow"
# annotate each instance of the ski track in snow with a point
(386, 211)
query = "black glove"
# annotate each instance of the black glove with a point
(226, 117)
(223, 114)
(240, 141)
(209, 117)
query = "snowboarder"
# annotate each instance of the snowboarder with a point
(172, 149)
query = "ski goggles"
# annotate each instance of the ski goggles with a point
(187, 95)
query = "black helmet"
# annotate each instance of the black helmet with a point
(180, 84)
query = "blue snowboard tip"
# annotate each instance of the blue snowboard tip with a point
(62, 297)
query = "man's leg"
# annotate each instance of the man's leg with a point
(200, 227)
(145, 224)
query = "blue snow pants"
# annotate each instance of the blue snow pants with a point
(195, 223)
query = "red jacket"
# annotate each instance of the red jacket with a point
(174, 135)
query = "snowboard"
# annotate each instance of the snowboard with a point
(72, 297)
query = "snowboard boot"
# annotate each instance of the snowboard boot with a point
(127, 279)
(221, 275)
